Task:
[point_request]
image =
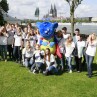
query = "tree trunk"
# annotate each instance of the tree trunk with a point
(72, 18)
(72, 23)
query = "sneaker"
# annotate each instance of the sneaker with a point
(70, 71)
(78, 71)
(5, 60)
(34, 71)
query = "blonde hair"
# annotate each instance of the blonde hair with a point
(69, 40)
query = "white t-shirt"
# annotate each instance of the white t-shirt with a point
(32, 40)
(65, 36)
(28, 53)
(91, 49)
(69, 49)
(18, 40)
(80, 46)
(38, 57)
(38, 38)
(52, 59)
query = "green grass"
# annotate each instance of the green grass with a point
(16, 81)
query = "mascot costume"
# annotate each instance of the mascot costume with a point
(47, 31)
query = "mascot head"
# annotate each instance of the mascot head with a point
(46, 29)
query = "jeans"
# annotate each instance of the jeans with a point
(28, 62)
(17, 53)
(38, 66)
(68, 62)
(89, 61)
(53, 70)
(3, 51)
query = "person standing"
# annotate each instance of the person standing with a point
(90, 52)
(3, 43)
(17, 43)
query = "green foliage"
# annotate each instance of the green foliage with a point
(4, 5)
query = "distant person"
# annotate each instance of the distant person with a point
(90, 52)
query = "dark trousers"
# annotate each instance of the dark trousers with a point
(3, 51)
(78, 63)
(17, 53)
(10, 51)
(61, 61)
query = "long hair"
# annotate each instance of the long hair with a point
(49, 54)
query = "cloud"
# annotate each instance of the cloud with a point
(26, 8)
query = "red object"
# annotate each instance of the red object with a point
(58, 51)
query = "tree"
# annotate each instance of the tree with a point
(73, 5)
(37, 11)
(3, 7)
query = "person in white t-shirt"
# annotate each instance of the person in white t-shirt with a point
(17, 43)
(51, 65)
(27, 55)
(65, 34)
(80, 47)
(32, 38)
(90, 52)
(38, 58)
(69, 48)
(3, 43)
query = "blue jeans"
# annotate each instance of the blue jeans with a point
(89, 61)
(28, 62)
(52, 69)
(68, 62)
(38, 66)
(17, 53)
(3, 51)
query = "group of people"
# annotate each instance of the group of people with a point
(22, 45)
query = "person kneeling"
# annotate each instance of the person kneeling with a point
(51, 67)
(38, 57)
(27, 55)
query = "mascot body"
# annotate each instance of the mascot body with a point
(47, 31)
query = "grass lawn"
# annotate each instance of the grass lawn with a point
(17, 81)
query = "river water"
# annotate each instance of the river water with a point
(84, 29)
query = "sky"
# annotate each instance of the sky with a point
(26, 8)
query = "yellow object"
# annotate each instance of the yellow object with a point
(52, 49)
